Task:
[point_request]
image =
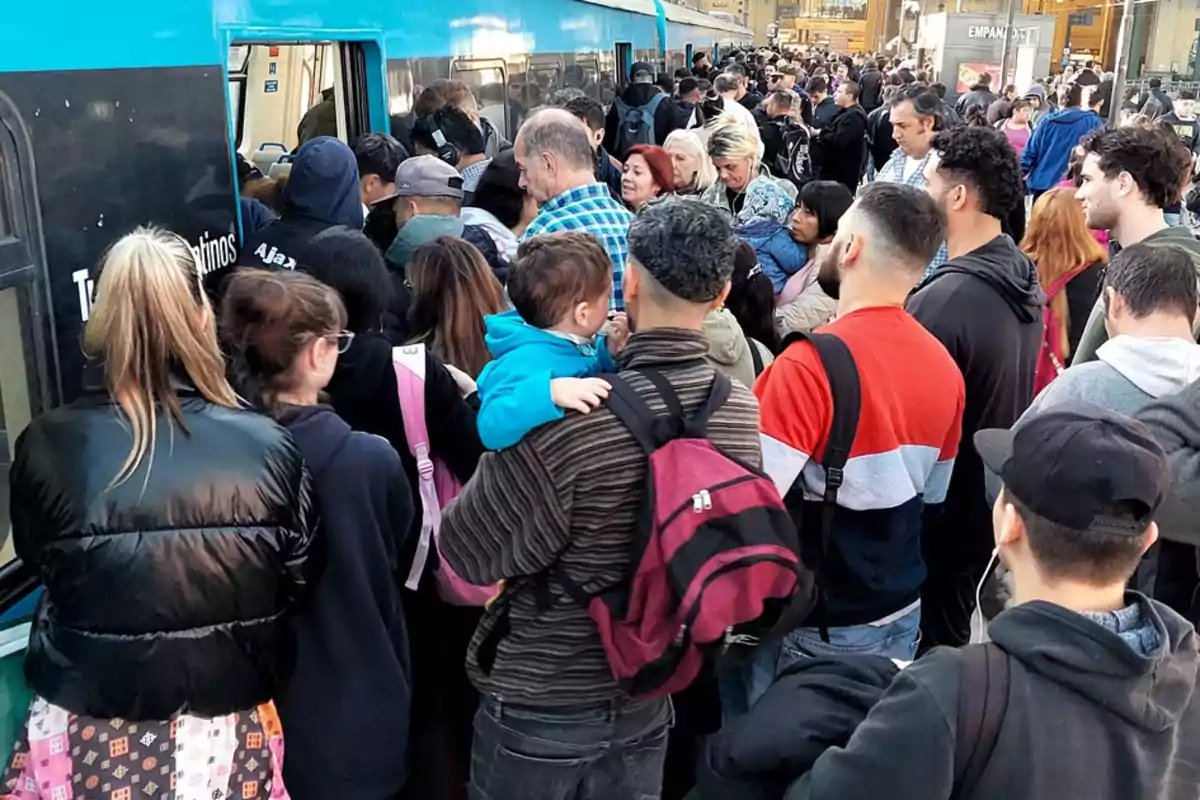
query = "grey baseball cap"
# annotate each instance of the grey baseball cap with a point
(426, 176)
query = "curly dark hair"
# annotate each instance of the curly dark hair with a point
(685, 245)
(982, 159)
(1153, 156)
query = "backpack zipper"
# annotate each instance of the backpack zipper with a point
(702, 499)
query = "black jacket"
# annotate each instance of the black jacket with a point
(322, 192)
(363, 391)
(170, 591)
(986, 308)
(1088, 716)
(879, 136)
(638, 94)
(771, 133)
(346, 707)
(751, 100)
(608, 173)
(1087, 77)
(824, 112)
(871, 89)
(842, 147)
(979, 95)
(815, 705)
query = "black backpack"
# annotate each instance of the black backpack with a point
(983, 688)
(794, 162)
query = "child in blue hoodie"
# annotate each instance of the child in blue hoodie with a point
(545, 350)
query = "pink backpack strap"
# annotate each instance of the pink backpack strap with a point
(409, 363)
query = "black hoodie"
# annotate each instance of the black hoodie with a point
(346, 707)
(1088, 716)
(322, 192)
(986, 308)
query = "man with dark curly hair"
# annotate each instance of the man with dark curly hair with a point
(566, 499)
(1129, 176)
(985, 306)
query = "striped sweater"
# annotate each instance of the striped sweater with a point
(569, 492)
(904, 448)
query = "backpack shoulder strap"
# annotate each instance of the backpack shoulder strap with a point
(653, 103)
(983, 687)
(409, 363)
(755, 356)
(846, 390)
(633, 412)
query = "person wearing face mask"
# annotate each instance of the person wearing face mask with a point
(883, 244)
(647, 174)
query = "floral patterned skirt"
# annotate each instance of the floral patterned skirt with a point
(65, 756)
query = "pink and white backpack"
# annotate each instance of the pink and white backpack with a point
(436, 484)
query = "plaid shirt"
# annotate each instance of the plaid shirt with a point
(893, 172)
(590, 209)
(473, 173)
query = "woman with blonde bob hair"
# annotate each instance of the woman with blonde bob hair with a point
(1070, 267)
(693, 169)
(744, 190)
(171, 529)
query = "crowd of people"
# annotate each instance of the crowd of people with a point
(781, 431)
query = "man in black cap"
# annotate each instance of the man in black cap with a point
(1086, 689)
(640, 115)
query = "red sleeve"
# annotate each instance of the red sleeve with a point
(796, 409)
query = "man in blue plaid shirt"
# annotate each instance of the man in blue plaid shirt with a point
(916, 115)
(558, 170)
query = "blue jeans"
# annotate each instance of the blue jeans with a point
(1174, 220)
(599, 752)
(896, 638)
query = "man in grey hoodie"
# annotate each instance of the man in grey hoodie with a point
(1129, 176)
(1149, 303)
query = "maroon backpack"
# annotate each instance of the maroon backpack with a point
(715, 554)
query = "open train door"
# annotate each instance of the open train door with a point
(282, 88)
(28, 384)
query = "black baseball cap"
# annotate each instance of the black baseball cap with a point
(1072, 462)
(641, 68)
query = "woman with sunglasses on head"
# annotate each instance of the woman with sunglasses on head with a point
(171, 529)
(346, 706)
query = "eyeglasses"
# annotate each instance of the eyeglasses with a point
(343, 340)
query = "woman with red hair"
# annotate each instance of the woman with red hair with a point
(1070, 266)
(647, 174)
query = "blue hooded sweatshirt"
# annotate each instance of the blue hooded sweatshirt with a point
(514, 388)
(1045, 158)
(779, 255)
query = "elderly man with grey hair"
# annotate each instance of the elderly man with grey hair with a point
(558, 170)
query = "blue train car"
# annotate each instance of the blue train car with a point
(124, 113)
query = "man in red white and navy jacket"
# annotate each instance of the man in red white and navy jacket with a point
(908, 434)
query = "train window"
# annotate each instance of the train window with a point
(6, 213)
(19, 283)
(407, 78)
(623, 51)
(285, 94)
(492, 91)
(584, 73)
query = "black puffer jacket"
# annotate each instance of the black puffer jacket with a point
(170, 591)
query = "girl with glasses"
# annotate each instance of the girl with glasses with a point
(346, 706)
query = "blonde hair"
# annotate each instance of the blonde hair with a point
(690, 143)
(151, 314)
(732, 140)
